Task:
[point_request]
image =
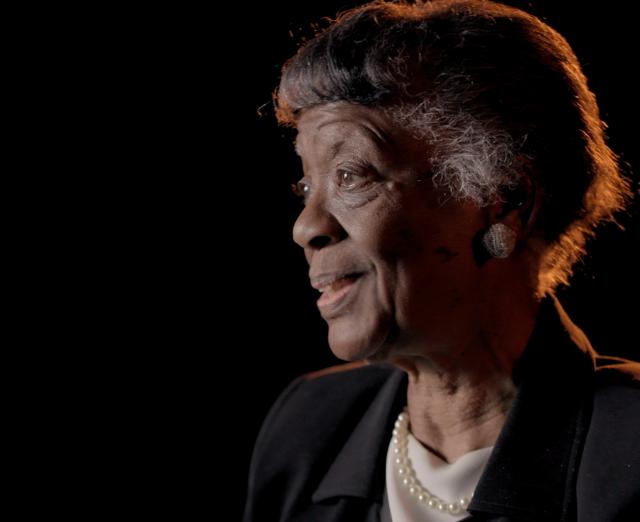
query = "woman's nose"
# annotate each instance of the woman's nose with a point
(316, 228)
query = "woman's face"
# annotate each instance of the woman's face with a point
(393, 261)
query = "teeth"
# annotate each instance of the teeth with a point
(337, 284)
(332, 286)
(326, 288)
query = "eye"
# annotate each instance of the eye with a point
(351, 180)
(301, 189)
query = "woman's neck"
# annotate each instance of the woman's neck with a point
(454, 416)
(458, 401)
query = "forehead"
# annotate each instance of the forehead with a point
(332, 125)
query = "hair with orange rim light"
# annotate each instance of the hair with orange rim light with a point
(497, 93)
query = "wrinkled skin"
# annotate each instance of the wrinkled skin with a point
(371, 208)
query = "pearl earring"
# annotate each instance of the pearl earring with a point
(499, 240)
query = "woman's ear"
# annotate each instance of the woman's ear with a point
(519, 207)
(509, 222)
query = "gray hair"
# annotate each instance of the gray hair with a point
(498, 95)
(470, 161)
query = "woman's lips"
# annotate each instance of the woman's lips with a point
(336, 292)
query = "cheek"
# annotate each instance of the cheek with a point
(435, 274)
(393, 233)
(403, 244)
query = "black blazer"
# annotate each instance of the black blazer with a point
(569, 449)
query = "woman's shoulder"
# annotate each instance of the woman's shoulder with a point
(334, 392)
(310, 424)
(616, 398)
(610, 461)
(356, 377)
(318, 404)
(617, 371)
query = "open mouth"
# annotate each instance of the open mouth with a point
(336, 291)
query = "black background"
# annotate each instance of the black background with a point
(209, 312)
(279, 333)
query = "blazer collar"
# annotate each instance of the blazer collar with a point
(358, 470)
(531, 471)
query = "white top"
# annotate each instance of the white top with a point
(450, 482)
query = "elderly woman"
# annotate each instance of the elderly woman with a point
(454, 165)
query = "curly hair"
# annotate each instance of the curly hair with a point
(497, 93)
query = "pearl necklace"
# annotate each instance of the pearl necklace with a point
(408, 476)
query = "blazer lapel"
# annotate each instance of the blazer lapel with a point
(532, 471)
(358, 469)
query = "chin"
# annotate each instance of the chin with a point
(350, 344)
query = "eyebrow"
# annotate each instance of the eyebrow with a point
(333, 150)
(379, 138)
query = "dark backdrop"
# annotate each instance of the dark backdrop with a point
(279, 334)
(221, 313)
